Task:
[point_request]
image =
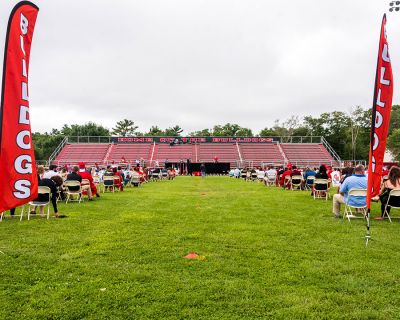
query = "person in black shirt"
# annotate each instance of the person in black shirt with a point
(45, 197)
(74, 176)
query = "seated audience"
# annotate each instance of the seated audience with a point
(45, 182)
(283, 176)
(75, 176)
(86, 175)
(118, 180)
(51, 172)
(357, 181)
(393, 182)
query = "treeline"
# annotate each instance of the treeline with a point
(348, 133)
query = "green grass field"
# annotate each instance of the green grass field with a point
(268, 253)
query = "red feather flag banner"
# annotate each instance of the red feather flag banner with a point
(382, 107)
(18, 176)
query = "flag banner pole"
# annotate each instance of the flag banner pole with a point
(380, 120)
(18, 176)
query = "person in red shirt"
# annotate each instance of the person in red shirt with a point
(119, 183)
(286, 173)
(86, 175)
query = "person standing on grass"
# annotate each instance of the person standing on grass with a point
(203, 170)
(357, 181)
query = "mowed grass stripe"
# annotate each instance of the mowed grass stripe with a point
(269, 253)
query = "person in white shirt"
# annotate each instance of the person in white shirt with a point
(51, 172)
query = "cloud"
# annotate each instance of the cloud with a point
(202, 62)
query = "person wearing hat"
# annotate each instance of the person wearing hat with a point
(75, 176)
(86, 175)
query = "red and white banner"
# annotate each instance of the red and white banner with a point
(382, 107)
(18, 176)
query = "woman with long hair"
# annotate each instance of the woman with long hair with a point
(393, 182)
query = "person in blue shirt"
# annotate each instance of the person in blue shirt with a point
(357, 181)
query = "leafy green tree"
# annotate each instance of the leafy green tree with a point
(173, 131)
(154, 131)
(125, 128)
(201, 133)
(87, 129)
(394, 118)
(268, 132)
(231, 130)
(45, 143)
(393, 144)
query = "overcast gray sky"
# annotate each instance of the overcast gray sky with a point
(197, 63)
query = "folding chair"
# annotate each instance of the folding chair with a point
(85, 182)
(348, 213)
(286, 182)
(270, 179)
(108, 182)
(135, 180)
(155, 176)
(248, 176)
(254, 176)
(42, 190)
(296, 182)
(164, 175)
(73, 188)
(394, 195)
(117, 183)
(323, 189)
(3, 216)
(309, 182)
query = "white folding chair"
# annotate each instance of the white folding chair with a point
(73, 188)
(108, 182)
(270, 179)
(42, 190)
(394, 195)
(353, 193)
(3, 216)
(296, 182)
(117, 183)
(323, 189)
(309, 182)
(286, 182)
(135, 180)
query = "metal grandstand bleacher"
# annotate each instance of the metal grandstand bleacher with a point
(303, 152)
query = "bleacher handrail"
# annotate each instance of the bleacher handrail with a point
(330, 149)
(58, 149)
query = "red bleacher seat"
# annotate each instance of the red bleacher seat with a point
(258, 153)
(312, 154)
(90, 153)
